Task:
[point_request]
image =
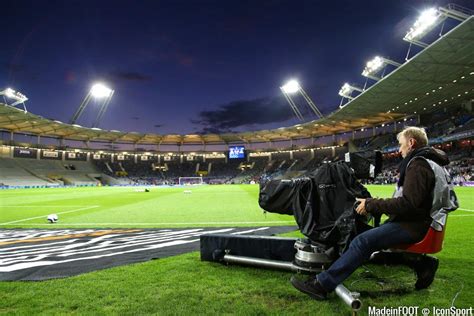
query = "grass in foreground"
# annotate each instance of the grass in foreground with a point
(184, 285)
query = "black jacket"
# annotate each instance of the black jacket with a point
(412, 209)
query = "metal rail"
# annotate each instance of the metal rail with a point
(351, 299)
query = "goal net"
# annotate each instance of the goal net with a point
(190, 180)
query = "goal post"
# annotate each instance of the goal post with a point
(190, 180)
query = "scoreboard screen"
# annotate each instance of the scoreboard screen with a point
(236, 152)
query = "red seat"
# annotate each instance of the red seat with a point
(431, 243)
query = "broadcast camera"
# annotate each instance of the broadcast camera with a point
(322, 202)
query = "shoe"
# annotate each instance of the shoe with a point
(425, 270)
(379, 257)
(388, 258)
(311, 287)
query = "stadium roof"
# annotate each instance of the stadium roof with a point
(439, 76)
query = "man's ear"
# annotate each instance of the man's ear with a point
(412, 142)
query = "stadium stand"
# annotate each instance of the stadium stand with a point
(13, 174)
(48, 173)
(450, 130)
(51, 173)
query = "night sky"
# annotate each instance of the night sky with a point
(195, 66)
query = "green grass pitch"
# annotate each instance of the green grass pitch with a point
(183, 285)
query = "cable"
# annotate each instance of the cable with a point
(456, 296)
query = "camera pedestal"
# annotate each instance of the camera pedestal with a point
(290, 254)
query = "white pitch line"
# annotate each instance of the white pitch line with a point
(42, 205)
(28, 219)
(461, 215)
(250, 231)
(130, 224)
(465, 210)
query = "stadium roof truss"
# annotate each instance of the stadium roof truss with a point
(439, 76)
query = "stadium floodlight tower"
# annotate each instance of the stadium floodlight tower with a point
(375, 65)
(292, 87)
(431, 18)
(346, 93)
(99, 92)
(16, 96)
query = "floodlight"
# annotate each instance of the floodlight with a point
(100, 91)
(375, 65)
(9, 92)
(431, 18)
(291, 86)
(346, 90)
(426, 22)
(18, 97)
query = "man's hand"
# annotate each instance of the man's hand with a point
(361, 207)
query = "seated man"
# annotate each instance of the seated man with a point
(409, 218)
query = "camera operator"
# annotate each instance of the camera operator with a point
(409, 218)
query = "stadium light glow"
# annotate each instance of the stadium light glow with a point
(375, 65)
(431, 18)
(346, 90)
(100, 91)
(18, 97)
(9, 92)
(291, 86)
(425, 23)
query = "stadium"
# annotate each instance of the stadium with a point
(121, 199)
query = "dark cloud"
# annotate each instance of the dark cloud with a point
(159, 125)
(243, 113)
(130, 76)
(135, 118)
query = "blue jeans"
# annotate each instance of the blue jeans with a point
(378, 238)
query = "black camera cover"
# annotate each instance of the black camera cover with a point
(323, 201)
(366, 164)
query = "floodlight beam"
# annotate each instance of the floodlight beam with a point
(103, 109)
(81, 108)
(311, 103)
(292, 105)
